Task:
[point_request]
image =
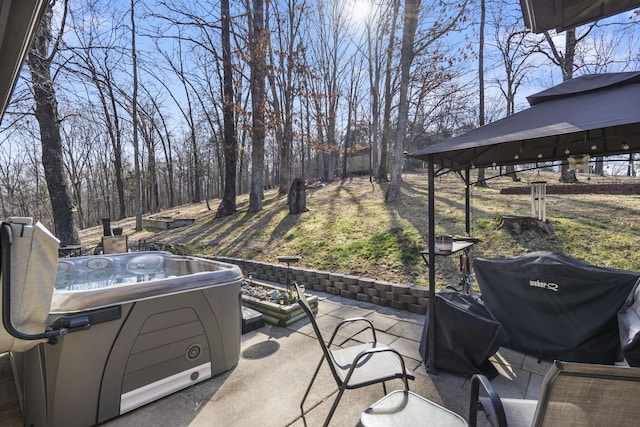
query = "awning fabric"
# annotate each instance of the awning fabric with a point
(19, 20)
(561, 15)
(597, 114)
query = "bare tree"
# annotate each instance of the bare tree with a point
(186, 108)
(382, 173)
(11, 178)
(610, 47)
(257, 47)
(483, 18)
(516, 46)
(148, 129)
(328, 52)
(228, 203)
(566, 63)
(426, 44)
(46, 110)
(283, 74)
(412, 7)
(95, 59)
(352, 113)
(134, 116)
(77, 155)
(380, 37)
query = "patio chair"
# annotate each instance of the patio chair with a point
(405, 408)
(572, 394)
(356, 366)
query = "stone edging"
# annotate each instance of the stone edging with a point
(579, 188)
(404, 297)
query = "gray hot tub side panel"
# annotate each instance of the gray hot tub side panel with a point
(66, 377)
(159, 340)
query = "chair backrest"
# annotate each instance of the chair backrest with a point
(302, 301)
(583, 394)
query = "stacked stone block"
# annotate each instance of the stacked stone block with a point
(404, 297)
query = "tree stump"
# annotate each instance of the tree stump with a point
(297, 197)
(519, 223)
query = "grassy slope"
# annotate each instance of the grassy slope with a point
(350, 229)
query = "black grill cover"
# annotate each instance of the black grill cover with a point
(466, 335)
(555, 306)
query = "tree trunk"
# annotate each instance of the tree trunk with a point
(117, 154)
(406, 58)
(566, 175)
(49, 122)
(297, 197)
(382, 173)
(374, 89)
(228, 204)
(134, 118)
(598, 167)
(348, 135)
(510, 170)
(257, 50)
(481, 172)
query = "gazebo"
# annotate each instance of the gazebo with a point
(589, 116)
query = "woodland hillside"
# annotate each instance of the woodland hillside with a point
(350, 229)
(128, 108)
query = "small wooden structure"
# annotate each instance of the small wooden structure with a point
(165, 222)
(359, 162)
(117, 244)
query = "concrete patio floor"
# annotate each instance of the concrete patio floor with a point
(276, 364)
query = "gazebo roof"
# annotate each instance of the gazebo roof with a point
(597, 115)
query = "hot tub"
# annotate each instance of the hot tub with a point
(157, 323)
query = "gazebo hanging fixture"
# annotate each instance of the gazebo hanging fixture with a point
(578, 161)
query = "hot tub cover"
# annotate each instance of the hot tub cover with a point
(34, 254)
(556, 306)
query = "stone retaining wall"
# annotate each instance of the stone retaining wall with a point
(404, 297)
(580, 188)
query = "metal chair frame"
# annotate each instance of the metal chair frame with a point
(344, 363)
(571, 394)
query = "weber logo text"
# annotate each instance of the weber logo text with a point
(538, 284)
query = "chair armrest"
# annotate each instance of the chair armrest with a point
(496, 403)
(353, 320)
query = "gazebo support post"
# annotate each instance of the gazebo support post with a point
(432, 369)
(467, 200)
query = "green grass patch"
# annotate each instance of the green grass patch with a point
(350, 229)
